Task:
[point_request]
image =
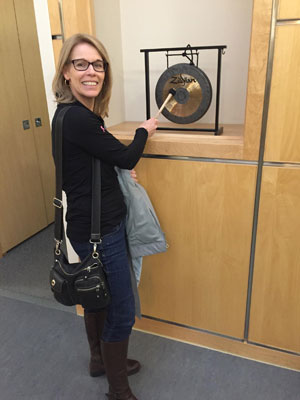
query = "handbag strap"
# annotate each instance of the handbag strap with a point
(96, 188)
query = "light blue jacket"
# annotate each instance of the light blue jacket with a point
(144, 233)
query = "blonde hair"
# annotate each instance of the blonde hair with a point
(61, 89)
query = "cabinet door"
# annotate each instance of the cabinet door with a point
(22, 207)
(275, 308)
(34, 81)
(282, 141)
(289, 9)
(205, 209)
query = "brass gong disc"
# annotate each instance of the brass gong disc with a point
(193, 93)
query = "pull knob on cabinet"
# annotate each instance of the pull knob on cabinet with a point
(38, 122)
(26, 124)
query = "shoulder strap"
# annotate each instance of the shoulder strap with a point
(96, 202)
(96, 187)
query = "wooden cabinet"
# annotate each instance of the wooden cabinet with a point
(68, 17)
(275, 308)
(289, 9)
(275, 305)
(206, 211)
(282, 140)
(26, 166)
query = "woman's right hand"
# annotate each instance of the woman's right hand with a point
(150, 125)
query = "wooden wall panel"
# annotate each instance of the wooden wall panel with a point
(289, 9)
(78, 16)
(54, 17)
(57, 45)
(206, 212)
(37, 99)
(275, 309)
(283, 140)
(261, 23)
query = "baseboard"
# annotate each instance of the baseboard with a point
(218, 343)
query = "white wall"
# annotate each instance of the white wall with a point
(176, 23)
(108, 31)
(48, 65)
(45, 43)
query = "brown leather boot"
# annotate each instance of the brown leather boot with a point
(115, 358)
(94, 324)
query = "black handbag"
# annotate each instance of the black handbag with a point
(85, 282)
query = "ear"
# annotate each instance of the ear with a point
(66, 73)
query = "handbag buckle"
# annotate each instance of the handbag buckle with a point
(57, 202)
(95, 243)
(57, 246)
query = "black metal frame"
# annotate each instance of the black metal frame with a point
(217, 130)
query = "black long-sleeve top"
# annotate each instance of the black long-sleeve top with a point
(85, 137)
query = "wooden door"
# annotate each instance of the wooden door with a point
(22, 206)
(282, 141)
(275, 307)
(37, 99)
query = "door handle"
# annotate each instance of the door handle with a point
(26, 124)
(38, 122)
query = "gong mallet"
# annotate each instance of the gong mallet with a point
(172, 92)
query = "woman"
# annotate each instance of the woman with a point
(83, 80)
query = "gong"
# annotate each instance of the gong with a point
(193, 93)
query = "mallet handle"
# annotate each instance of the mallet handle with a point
(164, 104)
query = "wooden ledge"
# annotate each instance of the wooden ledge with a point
(229, 145)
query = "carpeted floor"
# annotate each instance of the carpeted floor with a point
(44, 352)
(24, 270)
(44, 356)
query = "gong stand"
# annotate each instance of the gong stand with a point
(185, 53)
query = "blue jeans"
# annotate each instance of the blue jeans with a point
(113, 254)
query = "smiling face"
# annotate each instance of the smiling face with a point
(85, 85)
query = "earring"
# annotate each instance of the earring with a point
(67, 82)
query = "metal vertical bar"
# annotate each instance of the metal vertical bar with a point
(61, 17)
(260, 161)
(147, 84)
(218, 91)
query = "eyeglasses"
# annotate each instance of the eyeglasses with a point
(82, 65)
